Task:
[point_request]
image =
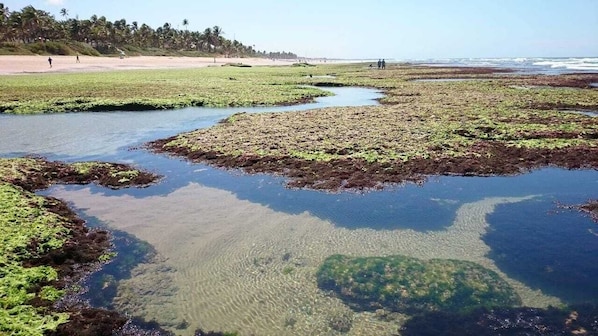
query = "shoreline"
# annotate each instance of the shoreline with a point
(25, 64)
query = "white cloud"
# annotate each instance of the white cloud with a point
(55, 2)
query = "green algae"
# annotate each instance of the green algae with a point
(136, 90)
(27, 230)
(491, 124)
(19, 169)
(418, 120)
(411, 285)
(91, 168)
(36, 173)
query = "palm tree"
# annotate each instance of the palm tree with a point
(217, 33)
(206, 39)
(64, 12)
(31, 25)
(134, 29)
(165, 35)
(82, 30)
(146, 36)
(65, 25)
(122, 32)
(4, 14)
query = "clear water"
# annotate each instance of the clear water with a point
(547, 247)
(447, 80)
(533, 241)
(97, 135)
(588, 113)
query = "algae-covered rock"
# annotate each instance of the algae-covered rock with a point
(411, 285)
(38, 173)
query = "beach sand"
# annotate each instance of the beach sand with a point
(230, 264)
(11, 65)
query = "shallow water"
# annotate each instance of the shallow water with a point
(239, 252)
(97, 135)
(588, 113)
(525, 247)
(448, 79)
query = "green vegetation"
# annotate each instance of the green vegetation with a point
(19, 169)
(33, 31)
(36, 173)
(410, 285)
(492, 124)
(465, 127)
(29, 230)
(154, 89)
(417, 120)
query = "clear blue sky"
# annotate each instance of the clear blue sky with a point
(392, 29)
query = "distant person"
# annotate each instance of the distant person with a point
(383, 64)
(379, 64)
(50, 61)
(78, 59)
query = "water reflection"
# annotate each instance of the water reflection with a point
(589, 113)
(547, 247)
(448, 79)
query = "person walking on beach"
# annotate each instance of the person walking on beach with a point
(383, 64)
(50, 61)
(379, 63)
(78, 59)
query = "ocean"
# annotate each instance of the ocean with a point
(525, 65)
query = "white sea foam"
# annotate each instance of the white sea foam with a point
(543, 65)
(570, 63)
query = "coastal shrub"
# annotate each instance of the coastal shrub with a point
(50, 47)
(82, 48)
(12, 48)
(410, 285)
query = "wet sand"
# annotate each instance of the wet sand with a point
(229, 264)
(11, 65)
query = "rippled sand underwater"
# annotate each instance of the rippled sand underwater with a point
(232, 265)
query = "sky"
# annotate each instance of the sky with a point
(370, 29)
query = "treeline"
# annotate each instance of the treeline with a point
(33, 26)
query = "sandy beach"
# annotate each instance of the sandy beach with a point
(11, 65)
